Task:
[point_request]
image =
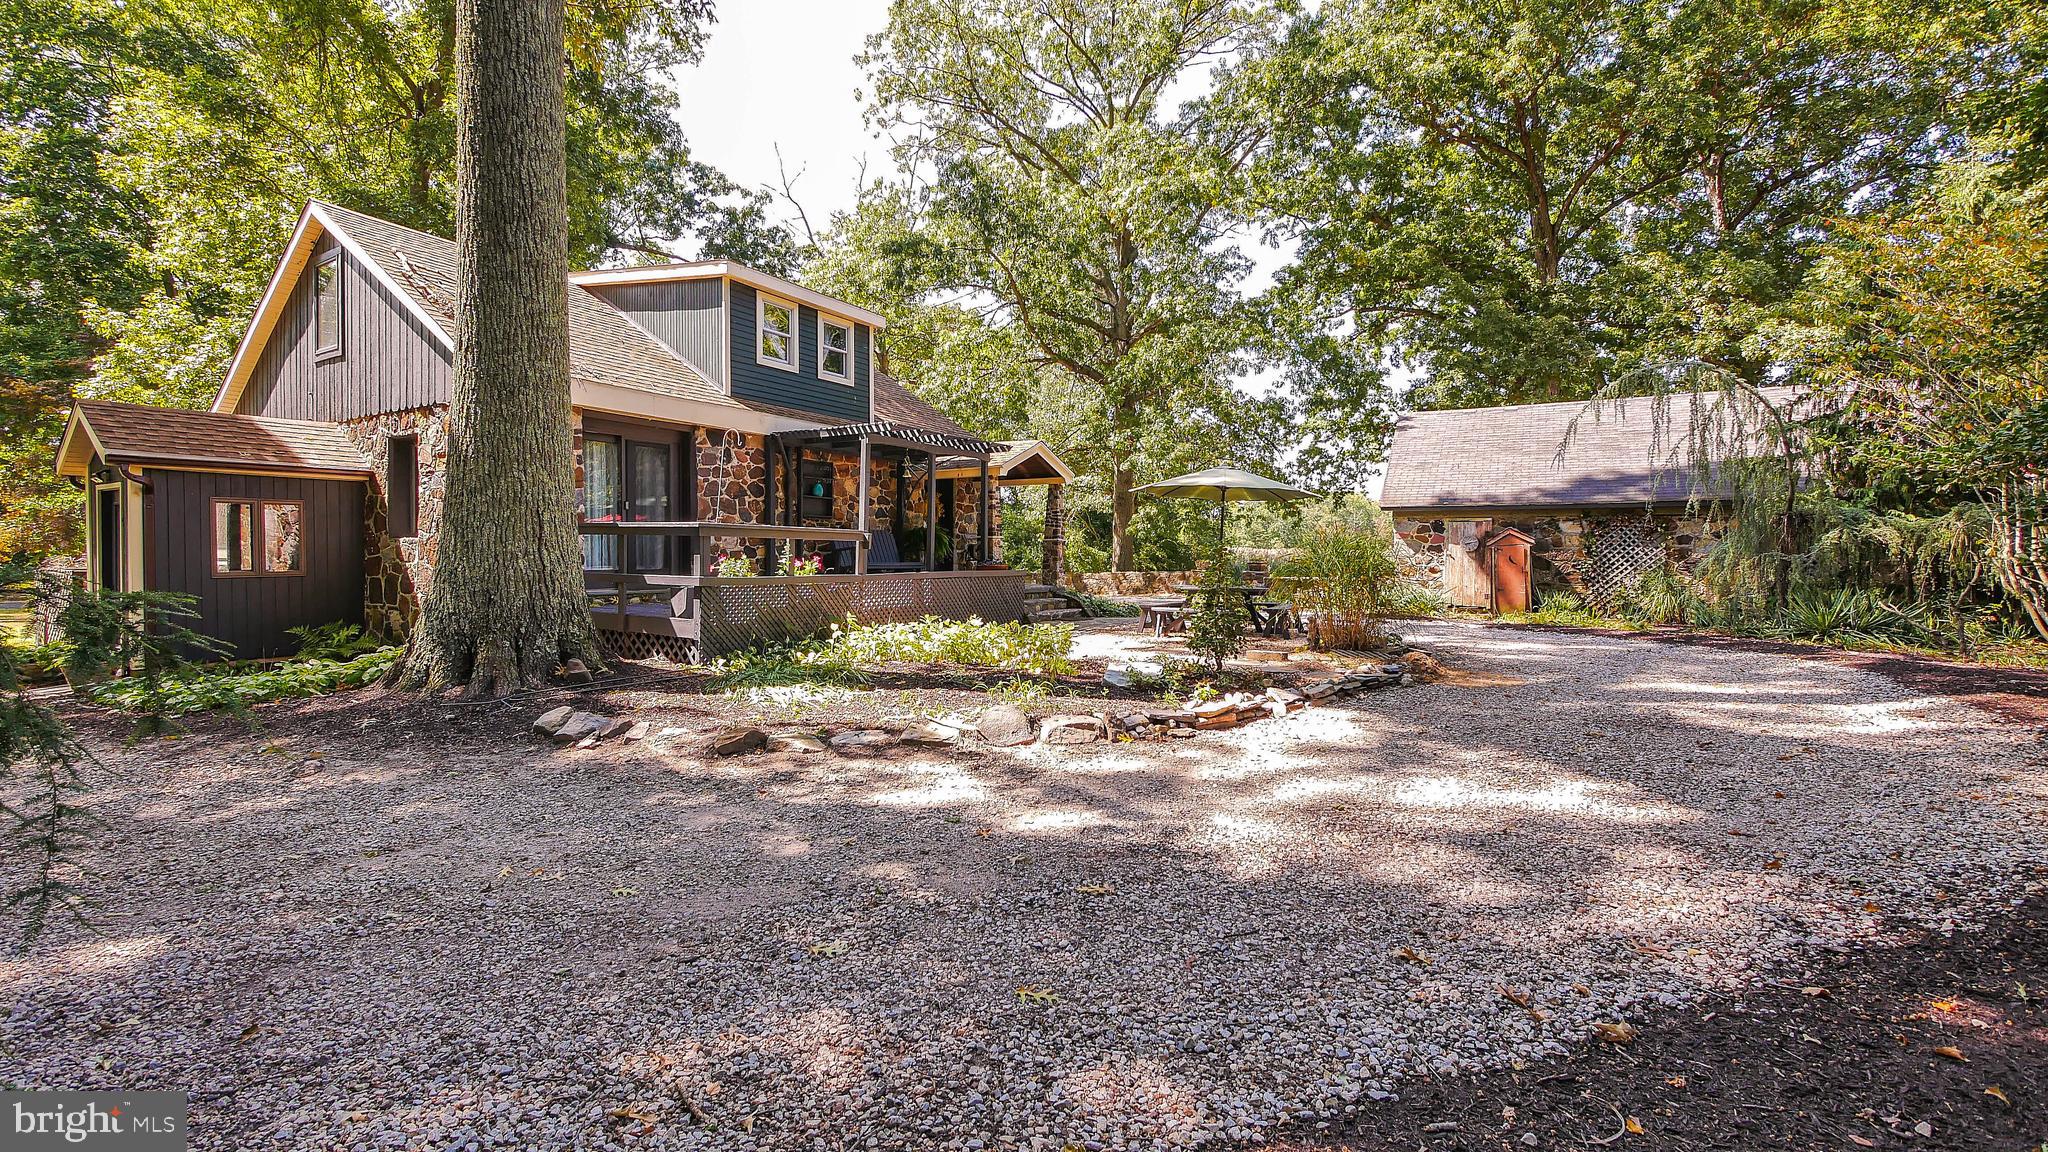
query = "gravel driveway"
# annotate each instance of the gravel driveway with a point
(1240, 935)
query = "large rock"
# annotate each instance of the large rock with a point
(862, 739)
(795, 742)
(1070, 729)
(1004, 726)
(579, 725)
(931, 732)
(736, 741)
(550, 722)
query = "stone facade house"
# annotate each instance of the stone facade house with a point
(1592, 517)
(728, 425)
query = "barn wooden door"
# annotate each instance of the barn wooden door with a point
(1465, 575)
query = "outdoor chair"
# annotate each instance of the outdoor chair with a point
(884, 557)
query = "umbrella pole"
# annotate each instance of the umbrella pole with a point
(1222, 509)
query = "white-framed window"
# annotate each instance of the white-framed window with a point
(775, 342)
(835, 350)
(327, 305)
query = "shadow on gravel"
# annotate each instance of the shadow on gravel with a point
(379, 907)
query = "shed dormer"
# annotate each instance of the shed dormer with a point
(762, 339)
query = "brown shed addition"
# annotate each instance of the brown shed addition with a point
(259, 519)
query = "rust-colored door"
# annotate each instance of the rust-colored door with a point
(1508, 558)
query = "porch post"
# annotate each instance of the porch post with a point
(769, 502)
(860, 547)
(931, 512)
(1053, 555)
(985, 508)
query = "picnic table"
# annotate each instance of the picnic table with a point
(1269, 617)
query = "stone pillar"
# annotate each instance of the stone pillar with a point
(1054, 555)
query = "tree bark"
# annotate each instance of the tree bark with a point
(1123, 506)
(506, 602)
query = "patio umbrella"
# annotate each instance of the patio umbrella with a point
(1224, 485)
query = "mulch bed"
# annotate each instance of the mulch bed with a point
(2015, 693)
(1860, 1065)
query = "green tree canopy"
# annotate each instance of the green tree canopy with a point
(1051, 193)
(1523, 202)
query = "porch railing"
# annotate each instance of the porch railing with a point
(718, 614)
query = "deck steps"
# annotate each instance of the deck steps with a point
(1043, 604)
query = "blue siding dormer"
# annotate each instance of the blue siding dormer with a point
(802, 389)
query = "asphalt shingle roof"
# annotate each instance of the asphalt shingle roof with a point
(893, 402)
(141, 434)
(1508, 457)
(604, 346)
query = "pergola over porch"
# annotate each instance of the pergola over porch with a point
(870, 442)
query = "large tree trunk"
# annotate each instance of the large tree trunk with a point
(506, 604)
(1123, 505)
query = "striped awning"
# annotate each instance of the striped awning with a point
(888, 430)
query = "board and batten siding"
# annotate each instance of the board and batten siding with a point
(803, 389)
(253, 614)
(390, 361)
(686, 315)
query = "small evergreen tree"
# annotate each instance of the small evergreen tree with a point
(1216, 626)
(138, 634)
(43, 827)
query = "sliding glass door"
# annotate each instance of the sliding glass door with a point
(649, 484)
(627, 480)
(603, 489)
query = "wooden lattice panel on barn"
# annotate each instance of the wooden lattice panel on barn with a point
(1623, 551)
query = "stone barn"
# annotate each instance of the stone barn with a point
(1475, 491)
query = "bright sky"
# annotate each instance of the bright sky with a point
(782, 77)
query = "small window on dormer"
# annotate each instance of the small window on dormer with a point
(327, 305)
(835, 350)
(777, 323)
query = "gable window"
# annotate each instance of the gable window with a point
(259, 538)
(327, 305)
(776, 322)
(402, 486)
(835, 350)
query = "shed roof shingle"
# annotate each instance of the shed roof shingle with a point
(1508, 457)
(140, 434)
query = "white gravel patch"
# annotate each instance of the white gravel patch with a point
(523, 947)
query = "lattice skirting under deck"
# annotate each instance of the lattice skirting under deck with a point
(646, 646)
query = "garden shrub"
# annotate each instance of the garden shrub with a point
(1346, 581)
(238, 688)
(1037, 649)
(140, 636)
(1217, 615)
(1031, 649)
(336, 641)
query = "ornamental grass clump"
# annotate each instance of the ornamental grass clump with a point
(1346, 583)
